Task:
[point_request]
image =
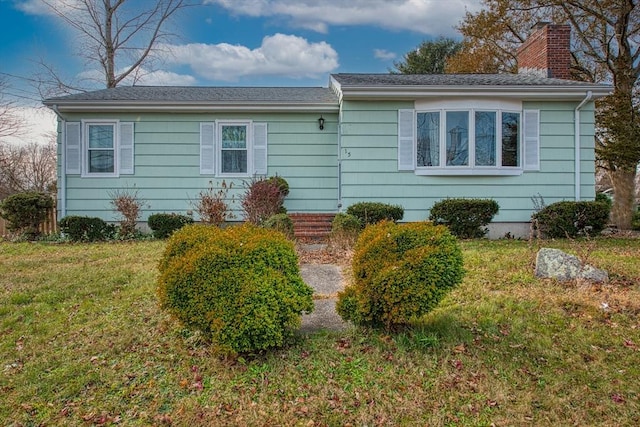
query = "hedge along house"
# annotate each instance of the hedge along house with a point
(410, 140)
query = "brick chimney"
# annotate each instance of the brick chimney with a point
(546, 53)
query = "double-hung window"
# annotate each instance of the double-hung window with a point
(473, 141)
(233, 148)
(99, 148)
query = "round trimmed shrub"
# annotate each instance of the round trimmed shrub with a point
(344, 231)
(346, 223)
(465, 218)
(604, 198)
(401, 272)
(86, 229)
(163, 224)
(374, 212)
(570, 218)
(25, 212)
(280, 222)
(241, 286)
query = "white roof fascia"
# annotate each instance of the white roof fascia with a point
(528, 92)
(188, 107)
(336, 87)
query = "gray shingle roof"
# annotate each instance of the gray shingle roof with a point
(188, 94)
(377, 80)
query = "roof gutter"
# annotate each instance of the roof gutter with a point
(189, 107)
(411, 92)
(577, 137)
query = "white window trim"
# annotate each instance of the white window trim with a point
(218, 147)
(85, 148)
(471, 168)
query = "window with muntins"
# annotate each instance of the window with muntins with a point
(447, 139)
(467, 141)
(101, 148)
(233, 149)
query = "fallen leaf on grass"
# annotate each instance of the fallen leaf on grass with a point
(343, 344)
(617, 398)
(459, 348)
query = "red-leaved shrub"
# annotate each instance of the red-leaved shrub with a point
(261, 199)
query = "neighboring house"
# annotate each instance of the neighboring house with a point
(410, 140)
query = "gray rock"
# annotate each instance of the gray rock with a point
(556, 264)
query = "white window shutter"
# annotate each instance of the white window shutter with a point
(73, 151)
(126, 148)
(207, 148)
(406, 131)
(260, 148)
(531, 140)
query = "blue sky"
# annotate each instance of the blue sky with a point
(242, 42)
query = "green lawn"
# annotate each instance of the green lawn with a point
(83, 342)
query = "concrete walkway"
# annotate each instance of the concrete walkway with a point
(326, 281)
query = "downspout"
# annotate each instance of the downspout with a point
(340, 160)
(62, 187)
(577, 143)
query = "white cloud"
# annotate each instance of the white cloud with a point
(280, 54)
(383, 54)
(39, 7)
(143, 77)
(39, 125)
(434, 17)
(166, 78)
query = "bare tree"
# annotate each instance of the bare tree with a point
(27, 167)
(117, 36)
(10, 123)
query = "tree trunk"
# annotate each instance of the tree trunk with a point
(623, 183)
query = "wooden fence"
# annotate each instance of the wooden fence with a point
(49, 226)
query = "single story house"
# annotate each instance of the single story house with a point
(410, 140)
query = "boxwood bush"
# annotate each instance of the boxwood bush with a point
(280, 222)
(401, 272)
(240, 286)
(571, 218)
(163, 224)
(86, 229)
(25, 211)
(373, 212)
(346, 223)
(465, 218)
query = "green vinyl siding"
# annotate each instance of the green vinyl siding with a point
(370, 165)
(360, 153)
(167, 164)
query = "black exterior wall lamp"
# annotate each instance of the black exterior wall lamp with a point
(321, 122)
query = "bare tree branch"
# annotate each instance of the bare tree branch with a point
(117, 36)
(27, 167)
(10, 123)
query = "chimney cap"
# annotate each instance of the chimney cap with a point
(540, 24)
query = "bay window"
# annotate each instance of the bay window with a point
(473, 141)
